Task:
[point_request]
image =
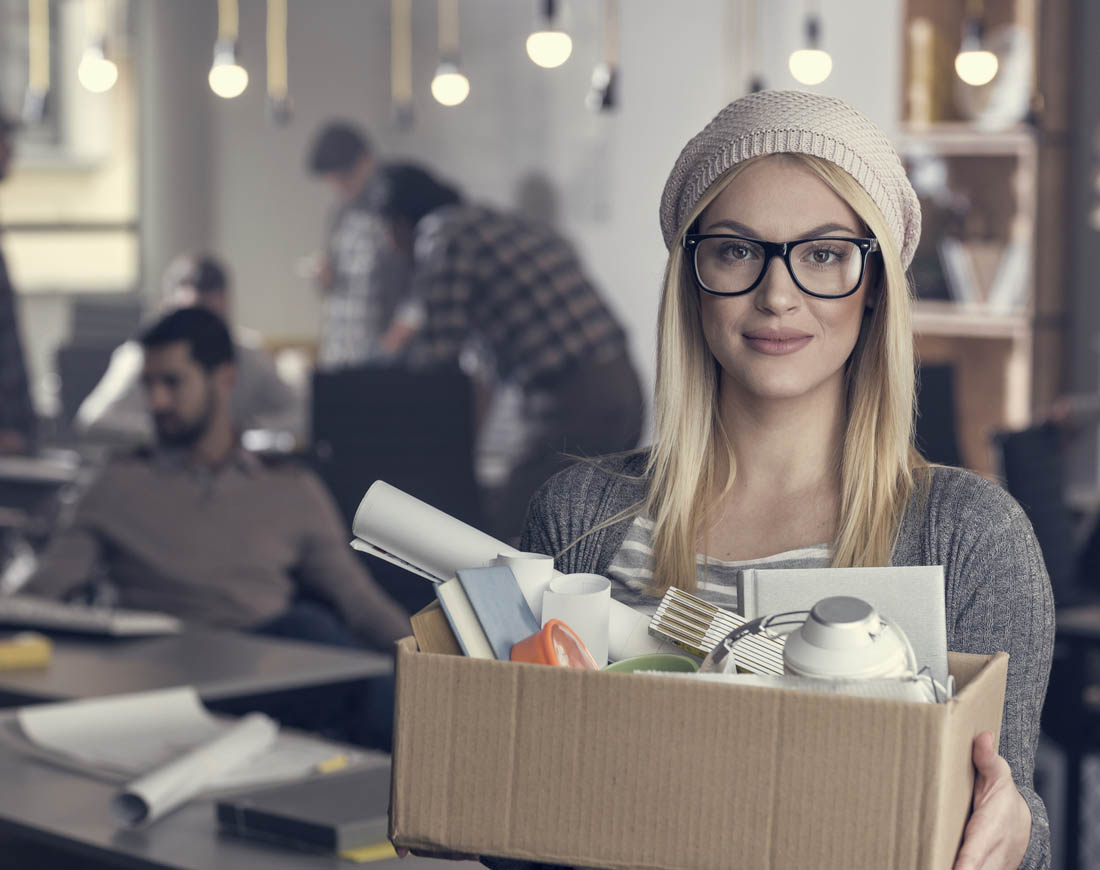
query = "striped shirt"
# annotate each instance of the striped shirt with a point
(514, 285)
(631, 570)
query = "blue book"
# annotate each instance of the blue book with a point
(501, 609)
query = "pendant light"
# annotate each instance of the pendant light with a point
(97, 72)
(449, 86)
(603, 94)
(974, 64)
(811, 65)
(38, 61)
(227, 78)
(401, 89)
(549, 46)
(278, 91)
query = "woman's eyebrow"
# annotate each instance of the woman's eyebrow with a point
(745, 230)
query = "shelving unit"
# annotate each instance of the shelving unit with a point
(977, 320)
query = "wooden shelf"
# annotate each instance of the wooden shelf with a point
(956, 321)
(961, 138)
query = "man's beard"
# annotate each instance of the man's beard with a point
(174, 432)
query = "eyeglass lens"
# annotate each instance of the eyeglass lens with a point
(828, 267)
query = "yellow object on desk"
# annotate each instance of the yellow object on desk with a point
(367, 854)
(27, 649)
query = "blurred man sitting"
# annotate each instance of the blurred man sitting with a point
(199, 528)
(115, 410)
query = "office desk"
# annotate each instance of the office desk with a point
(233, 672)
(1071, 715)
(54, 819)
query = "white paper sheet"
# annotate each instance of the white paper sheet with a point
(151, 796)
(134, 736)
(436, 545)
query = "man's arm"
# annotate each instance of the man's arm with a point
(329, 568)
(116, 407)
(73, 554)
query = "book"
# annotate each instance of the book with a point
(463, 620)
(334, 812)
(501, 608)
(433, 633)
(912, 597)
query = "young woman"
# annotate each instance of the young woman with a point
(784, 422)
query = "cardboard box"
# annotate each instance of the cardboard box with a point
(610, 770)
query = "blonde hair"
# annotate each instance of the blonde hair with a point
(691, 446)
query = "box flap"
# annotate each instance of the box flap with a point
(976, 707)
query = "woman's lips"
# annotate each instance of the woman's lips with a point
(777, 344)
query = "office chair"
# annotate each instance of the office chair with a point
(414, 430)
(936, 427)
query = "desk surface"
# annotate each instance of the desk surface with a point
(47, 805)
(1082, 622)
(221, 665)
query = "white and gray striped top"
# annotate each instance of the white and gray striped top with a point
(631, 570)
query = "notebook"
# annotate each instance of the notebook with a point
(911, 596)
(463, 620)
(336, 812)
(500, 605)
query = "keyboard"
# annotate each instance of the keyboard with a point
(25, 611)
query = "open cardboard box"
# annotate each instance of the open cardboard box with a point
(592, 769)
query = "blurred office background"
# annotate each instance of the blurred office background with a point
(119, 168)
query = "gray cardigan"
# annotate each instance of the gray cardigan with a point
(998, 594)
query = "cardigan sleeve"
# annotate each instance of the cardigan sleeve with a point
(999, 599)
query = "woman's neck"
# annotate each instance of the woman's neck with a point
(785, 446)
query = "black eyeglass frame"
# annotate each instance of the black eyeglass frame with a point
(777, 249)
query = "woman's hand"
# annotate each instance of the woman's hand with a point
(998, 832)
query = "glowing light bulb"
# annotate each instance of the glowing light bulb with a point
(976, 67)
(549, 48)
(228, 80)
(95, 72)
(450, 87)
(810, 66)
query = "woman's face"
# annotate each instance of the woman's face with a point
(777, 342)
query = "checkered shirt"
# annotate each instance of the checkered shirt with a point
(514, 285)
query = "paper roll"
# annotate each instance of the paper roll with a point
(151, 796)
(533, 573)
(583, 602)
(433, 544)
(425, 536)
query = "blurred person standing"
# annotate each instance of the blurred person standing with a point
(512, 286)
(18, 423)
(116, 409)
(360, 276)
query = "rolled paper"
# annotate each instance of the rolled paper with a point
(583, 602)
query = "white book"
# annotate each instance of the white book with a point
(911, 596)
(464, 622)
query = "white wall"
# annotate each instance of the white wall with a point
(608, 170)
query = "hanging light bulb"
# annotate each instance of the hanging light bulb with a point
(449, 86)
(401, 77)
(38, 61)
(95, 72)
(973, 64)
(227, 78)
(811, 65)
(278, 93)
(549, 46)
(603, 93)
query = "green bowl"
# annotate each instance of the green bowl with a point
(655, 662)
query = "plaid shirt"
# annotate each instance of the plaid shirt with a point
(16, 408)
(515, 286)
(369, 278)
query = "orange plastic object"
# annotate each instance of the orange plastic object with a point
(555, 644)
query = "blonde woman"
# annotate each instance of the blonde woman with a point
(784, 422)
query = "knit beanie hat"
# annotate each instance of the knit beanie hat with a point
(778, 122)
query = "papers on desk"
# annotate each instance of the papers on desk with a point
(169, 747)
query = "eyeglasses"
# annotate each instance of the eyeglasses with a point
(829, 268)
